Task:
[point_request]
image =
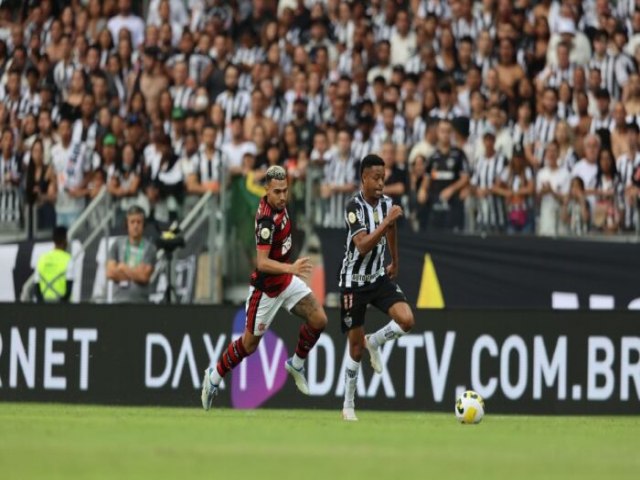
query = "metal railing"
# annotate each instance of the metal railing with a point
(90, 226)
(206, 214)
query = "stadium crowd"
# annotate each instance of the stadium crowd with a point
(490, 115)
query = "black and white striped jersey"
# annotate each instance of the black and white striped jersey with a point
(607, 67)
(234, 104)
(545, 128)
(359, 272)
(182, 96)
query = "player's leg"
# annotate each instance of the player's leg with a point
(392, 301)
(260, 310)
(300, 301)
(352, 313)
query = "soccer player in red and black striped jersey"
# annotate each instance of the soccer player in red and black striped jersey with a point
(275, 283)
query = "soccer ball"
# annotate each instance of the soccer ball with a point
(469, 407)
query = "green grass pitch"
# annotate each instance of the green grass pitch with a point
(64, 441)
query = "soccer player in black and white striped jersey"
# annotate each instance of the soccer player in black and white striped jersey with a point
(371, 222)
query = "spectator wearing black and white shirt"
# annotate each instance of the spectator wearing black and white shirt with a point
(181, 93)
(491, 215)
(234, 102)
(392, 127)
(10, 176)
(339, 181)
(402, 40)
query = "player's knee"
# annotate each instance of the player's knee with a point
(406, 321)
(319, 320)
(250, 345)
(356, 349)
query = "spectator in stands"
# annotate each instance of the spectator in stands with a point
(131, 261)
(235, 150)
(587, 168)
(552, 183)
(202, 171)
(125, 182)
(54, 271)
(447, 174)
(339, 181)
(575, 209)
(71, 169)
(489, 207)
(41, 187)
(608, 194)
(10, 176)
(516, 186)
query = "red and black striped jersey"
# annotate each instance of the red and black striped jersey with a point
(273, 233)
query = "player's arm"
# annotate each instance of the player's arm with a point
(301, 267)
(366, 242)
(264, 240)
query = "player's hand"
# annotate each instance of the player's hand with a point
(395, 213)
(392, 270)
(302, 267)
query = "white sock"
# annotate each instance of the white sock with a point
(386, 333)
(215, 377)
(297, 362)
(351, 379)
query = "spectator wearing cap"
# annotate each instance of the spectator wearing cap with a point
(178, 130)
(552, 186)
(566, 32)
(516, 185)
(150, 80)
(109, 157)
(447, 175)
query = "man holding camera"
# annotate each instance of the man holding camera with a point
(131, 261)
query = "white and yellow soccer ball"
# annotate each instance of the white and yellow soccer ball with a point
(469, 407)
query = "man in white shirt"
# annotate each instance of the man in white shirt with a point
(587, 168)
(383, 65)
(125, 19)
(403, 40)
(552, 184)
(234, 151)
(70, 167)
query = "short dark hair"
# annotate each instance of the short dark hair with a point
(135, 210)
(371, 160)
(60, 235)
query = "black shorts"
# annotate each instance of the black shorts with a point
(383, 295)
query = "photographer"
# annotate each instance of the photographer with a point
(131, 261)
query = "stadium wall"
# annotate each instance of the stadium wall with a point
(460, 271)
(520, 361)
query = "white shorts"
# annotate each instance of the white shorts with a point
(261, 308)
